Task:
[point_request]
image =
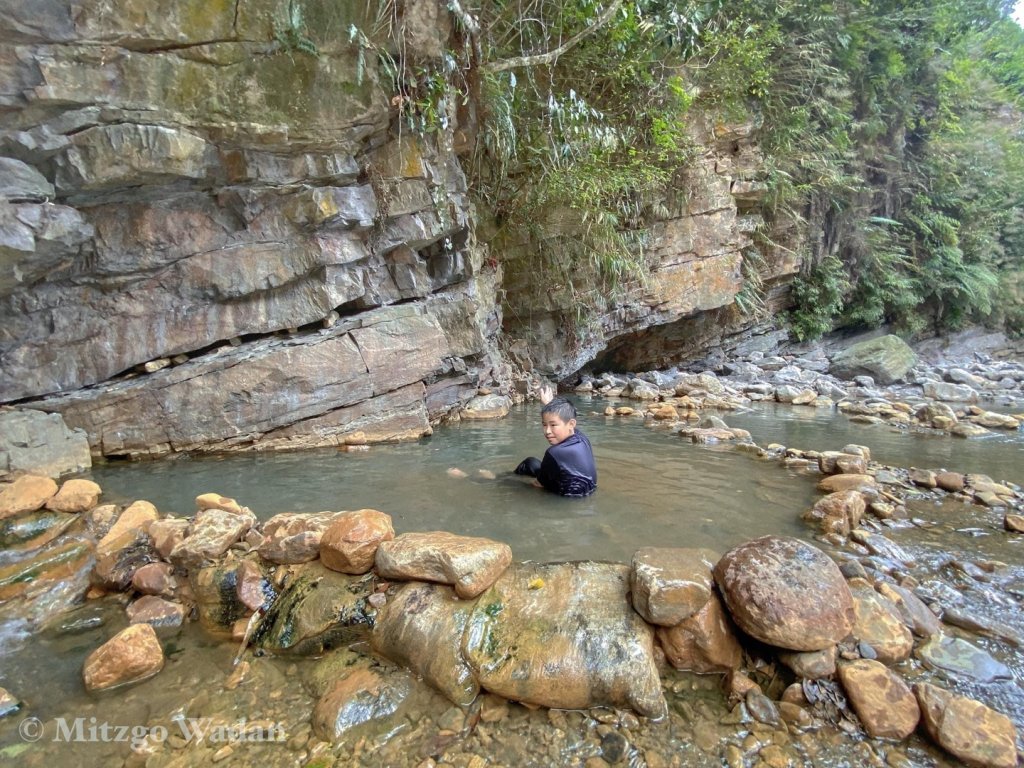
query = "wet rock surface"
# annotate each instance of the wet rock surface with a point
(786, 593)
(132, 655)
(469, 564)
(967, 728)
(670, 585)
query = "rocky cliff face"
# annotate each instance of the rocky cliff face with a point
(187, 187)
(214, 234)
(694, 262)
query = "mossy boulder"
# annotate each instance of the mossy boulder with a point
(887, 359)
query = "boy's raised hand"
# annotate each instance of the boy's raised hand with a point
(546, 393)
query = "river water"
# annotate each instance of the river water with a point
(655, 489)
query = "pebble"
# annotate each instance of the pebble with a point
(614, 747)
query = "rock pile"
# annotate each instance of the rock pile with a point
(465, 619)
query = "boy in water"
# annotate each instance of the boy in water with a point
(568, 467)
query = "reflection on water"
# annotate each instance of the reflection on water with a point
(654, 488)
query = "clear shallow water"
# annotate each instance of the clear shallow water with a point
(1000, 455)
(654, 488)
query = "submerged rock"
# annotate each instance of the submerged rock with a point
(156, 612)
(960, 658)
(967, 728)
(132, 655)
(51, 565)
(469, 564)
(1014, 523)
(786, 593)
(421, 628)
(564, 636)
(30, 530)
(882, 701)
(362, 697)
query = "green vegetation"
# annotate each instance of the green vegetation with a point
(890, 130)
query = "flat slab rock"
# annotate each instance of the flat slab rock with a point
(960, 658)
(564, 636)
(786, 593)
(469, 564)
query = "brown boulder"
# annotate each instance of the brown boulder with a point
(564, 635)
(1014, 523)
(879, 625)
(294, 537)
(132, 655)
(704, 642)
(967, 728)
(75, 496)
(838, 512)
(846, 482)
(349, 544)
(786, 593)
(670, 585)
(421, 628)
(26, 494)
(882, 701)
(131, 527)
(953, 482)
(915, 614)
(469, 564)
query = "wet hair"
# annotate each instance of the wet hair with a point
(561, 407)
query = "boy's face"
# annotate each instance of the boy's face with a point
(556, 430)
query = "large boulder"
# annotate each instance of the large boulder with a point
(318, 609)
(131, 527)
(421, 628)
(786, 593)
(887, 359)
(132, 655)
(469, 564)
(564, 636)
(40, 443)
(967, 729)
(75, 496)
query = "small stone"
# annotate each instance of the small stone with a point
(9, 703)
(953, 482)
(132, 655)
(154, 579)
(156, 612)
(846, 482)
(670, 585)
(812, 665)
(1014, 523)
(216, 501)
(960, 658)
(762, 708)
(456, 473)
(238, 676)
(614, 747)
(493, 709)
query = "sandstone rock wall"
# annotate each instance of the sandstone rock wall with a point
(694, 272)
(217, 188)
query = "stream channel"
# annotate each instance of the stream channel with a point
(655, 489)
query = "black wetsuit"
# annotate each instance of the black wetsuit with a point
(568, 468)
